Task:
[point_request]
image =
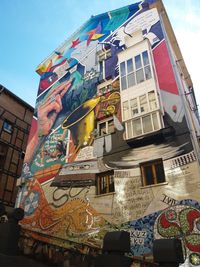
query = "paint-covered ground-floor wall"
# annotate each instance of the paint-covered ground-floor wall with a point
(76, 218)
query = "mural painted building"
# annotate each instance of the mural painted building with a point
(114, 140)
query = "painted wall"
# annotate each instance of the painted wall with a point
(63, 143)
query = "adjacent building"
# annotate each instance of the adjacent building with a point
(15, 121)
(114, 140)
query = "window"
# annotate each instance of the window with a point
(143, 125)
(104, 54)
(106, 127)
(139, 105)
(139, 69)
(135, 71)
(105, 183)
(7, 126)
(123, 76)
(141, 115)
(143, 103)
(126, 110)
(146, 64)
(134, 107)
(152, 172)
(105, 89)
(152, 100)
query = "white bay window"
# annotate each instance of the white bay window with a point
(140, 104)
(135, 70)
(143, 125)
(141, 115)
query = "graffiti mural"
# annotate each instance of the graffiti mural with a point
(82, 176)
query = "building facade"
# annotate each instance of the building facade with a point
(114, 140)
(15, 123)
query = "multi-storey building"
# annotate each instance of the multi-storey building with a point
(15, 122)
(114, 140)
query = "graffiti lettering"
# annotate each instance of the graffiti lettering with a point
(168, 200)
(138, 237)
(119, 174)
(138, 233)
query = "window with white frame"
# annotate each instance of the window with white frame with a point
(106, 127)
(139, 105)
(135, 70)
(142, 125)
(141, 115)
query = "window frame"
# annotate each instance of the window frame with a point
(10, 124)
(135, 70)
(104, 54)
(139, 112)
(106, 122)
(152, 164)
(141, 118)
(105, 179)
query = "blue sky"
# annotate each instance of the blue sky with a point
(32, 29)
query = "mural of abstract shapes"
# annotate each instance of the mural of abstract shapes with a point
(31, 203)
(49, 76)
(194, 258)
(142, 235)
(95, 33)
(144, 230)
(109, 105)
(117, 18)
(168, 227)
(180, 222)
(73, 219)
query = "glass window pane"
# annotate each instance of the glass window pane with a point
(111, 127)
(123, 83)
(129, 130)
(147, 71)
(103, 185)
(148, 173)
(125, 110)
(160, 174)
(102, 128)
(152, 100)
(137, 129)
(111, 184)
(131, 79)
(147, 125)
(155, 121)
(122, 69)
(134, 107)
(145, 58)
(7, 127)
(143, 103)
(129, 65)
(138, 62)
(140, 76)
